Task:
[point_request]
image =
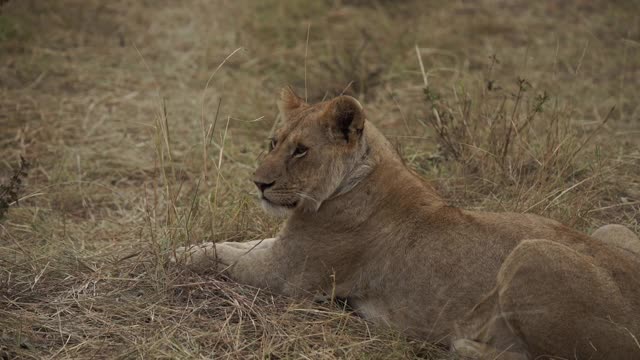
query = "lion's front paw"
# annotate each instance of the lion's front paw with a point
(206, 257)
(197, 257)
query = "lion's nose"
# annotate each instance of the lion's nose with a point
(263, 186)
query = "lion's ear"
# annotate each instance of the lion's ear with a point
(346, 118)
(289, 101)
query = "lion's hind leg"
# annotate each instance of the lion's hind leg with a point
(486, 334)
(552, 300)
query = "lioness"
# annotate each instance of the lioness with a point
(362, 226)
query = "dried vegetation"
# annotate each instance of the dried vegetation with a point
(137, 144)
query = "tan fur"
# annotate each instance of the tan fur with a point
(363, 227)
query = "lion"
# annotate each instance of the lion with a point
(360, 225)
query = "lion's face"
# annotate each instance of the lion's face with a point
(311, 154)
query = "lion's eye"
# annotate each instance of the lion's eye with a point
(272, 144)
(300, 151)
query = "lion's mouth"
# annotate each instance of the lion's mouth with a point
(288, 205)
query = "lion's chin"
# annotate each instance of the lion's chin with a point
(275, 209)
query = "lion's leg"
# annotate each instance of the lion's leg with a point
(260, 263)
(618, 235)
(208, 256)
(486, 334)
(556, 301)
(202, 257)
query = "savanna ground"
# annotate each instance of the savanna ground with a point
(137, 143)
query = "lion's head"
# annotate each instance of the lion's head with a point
(318, 152)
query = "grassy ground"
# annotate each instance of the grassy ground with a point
(138, 143)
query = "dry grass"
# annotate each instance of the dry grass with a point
(131, 155)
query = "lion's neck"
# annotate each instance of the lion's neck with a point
(355, 176)
(381, 184)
